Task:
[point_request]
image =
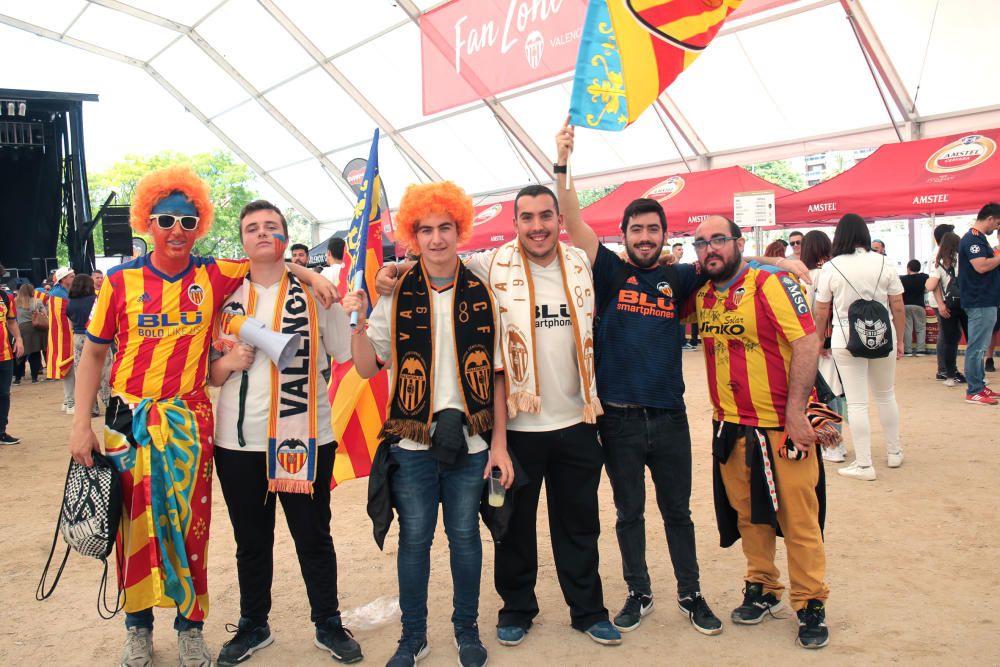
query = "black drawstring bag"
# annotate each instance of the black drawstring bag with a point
(89, 519)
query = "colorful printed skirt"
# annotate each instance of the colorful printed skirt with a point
(163, 452)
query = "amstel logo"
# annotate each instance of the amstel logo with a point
(964, 153)
(664, 190)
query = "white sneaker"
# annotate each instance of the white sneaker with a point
(834, 455)
(138, 649)
(864, 473)
(950, 382)
(191, 649)
(895, 460)
(70, 410)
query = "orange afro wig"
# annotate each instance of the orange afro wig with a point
(161, 183)
(443, 198)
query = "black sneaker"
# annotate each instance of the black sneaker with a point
(702, 618)
(8, 439)
(471, 652)
(756, 604)
(636, 606)
(249, 639)
(17, 380)
(812, 626)
(991, 366)
(332, 636)
(959, 378)
(941, 376)
(410, 651)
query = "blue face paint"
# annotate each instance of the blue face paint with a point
(176, 203)
(280, 238)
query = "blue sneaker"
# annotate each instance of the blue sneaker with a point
(410, 651)
(511, 635)
(471, 652)
(603, 632)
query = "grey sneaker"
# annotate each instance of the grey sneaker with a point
(191, 649)
(138, 649)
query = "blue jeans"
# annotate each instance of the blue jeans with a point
(417, 486)
(981, 321)
(144, 619)
(634, 439)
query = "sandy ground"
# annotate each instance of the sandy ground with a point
(911, 560)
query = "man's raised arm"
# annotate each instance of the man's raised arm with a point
(580, 232)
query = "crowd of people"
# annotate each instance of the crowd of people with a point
(533, 363)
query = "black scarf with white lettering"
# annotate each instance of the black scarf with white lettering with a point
(412, 402)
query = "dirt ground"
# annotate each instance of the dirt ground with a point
(911, 560)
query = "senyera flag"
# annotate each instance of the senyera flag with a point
(631, 50)
(59, 354)
(358, 405)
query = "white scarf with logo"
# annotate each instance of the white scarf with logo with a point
(514, 292)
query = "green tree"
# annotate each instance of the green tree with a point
(589, 196)
(779, 173)
(232, 185)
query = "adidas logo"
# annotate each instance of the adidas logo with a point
(631, 281)
(143, 298)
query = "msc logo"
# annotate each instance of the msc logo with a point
(158, 320)
(795, 294)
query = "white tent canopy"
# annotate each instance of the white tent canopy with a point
(296, 87)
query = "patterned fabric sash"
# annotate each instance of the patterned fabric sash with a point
(163, 453)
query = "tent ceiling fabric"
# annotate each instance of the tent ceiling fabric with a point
(296, 87)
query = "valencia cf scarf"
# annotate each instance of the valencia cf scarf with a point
(291, 422)
(411, 405)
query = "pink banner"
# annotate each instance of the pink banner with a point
(473, 49)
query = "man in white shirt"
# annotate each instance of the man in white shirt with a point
(251, 455)
(552, 434)
(334, 261)
(438, 333)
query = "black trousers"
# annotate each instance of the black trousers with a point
(243, 476)
(34, 363)
(569, 460)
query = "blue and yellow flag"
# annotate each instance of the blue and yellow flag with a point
(631, 50)
(358, 405)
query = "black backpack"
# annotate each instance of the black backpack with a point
(870, 329)
(952, 300)
(89, 519)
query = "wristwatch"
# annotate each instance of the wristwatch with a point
(558, 169)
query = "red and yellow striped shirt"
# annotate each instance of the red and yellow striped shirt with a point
(8, 314)
(747, 330)
(162, 324)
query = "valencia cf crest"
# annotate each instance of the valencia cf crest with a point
(477, 371)
(292, 455)
(196, 294)
(665, 289)
(738, 296)
(413, 382)
(229, 312)
(517, 354)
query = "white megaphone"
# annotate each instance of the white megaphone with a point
(280, 348)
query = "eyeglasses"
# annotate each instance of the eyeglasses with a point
(189, 223)
(716, 242)
(795, 242)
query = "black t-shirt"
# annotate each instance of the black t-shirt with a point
(639, 335)
(913, 288)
